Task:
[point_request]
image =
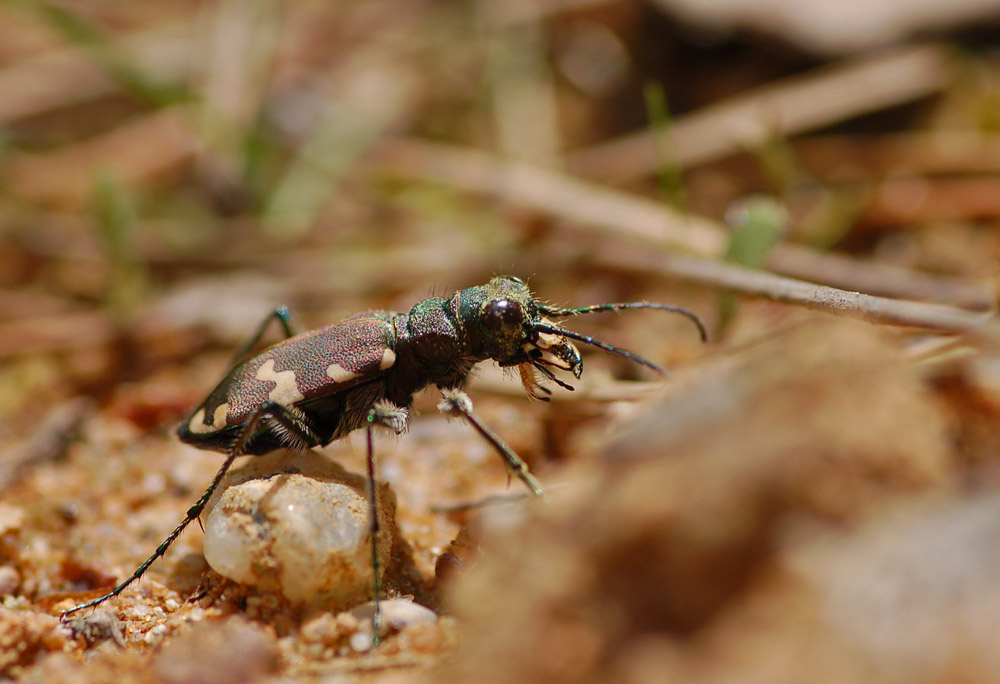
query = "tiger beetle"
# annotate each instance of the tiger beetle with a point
(362, 372)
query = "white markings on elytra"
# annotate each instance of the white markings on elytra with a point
(285, 391)
(197, 423)
(388, 359)
(338, 373)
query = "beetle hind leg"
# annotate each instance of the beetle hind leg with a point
(295, 425)
(290, 425)
(282, 315)
(193, 513)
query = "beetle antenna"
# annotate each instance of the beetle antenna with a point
(587, 339)
(560, 311)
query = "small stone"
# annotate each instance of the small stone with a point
(298, 524)
(101, 625)
(396, 614)
(361, 642)
(155, 634)
(320, 629)
(11, 518)
(10, 580)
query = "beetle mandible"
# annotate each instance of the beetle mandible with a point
(362, 372)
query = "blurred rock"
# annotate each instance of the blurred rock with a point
(10, 580)
(230, 651)
(918, 593)
(397, 614)
(678, 519)
(99, 625)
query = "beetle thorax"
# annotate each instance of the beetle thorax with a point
(435, 341)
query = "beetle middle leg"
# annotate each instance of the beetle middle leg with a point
(457, 403)
(382, 413)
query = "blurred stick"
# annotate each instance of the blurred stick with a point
(866, 307)
(139, 151)
(519, 79)
(32, 85)
(908, 200)
(643, 221)
(806, 102)
(909, 153)
(48, 442)
(55, 333)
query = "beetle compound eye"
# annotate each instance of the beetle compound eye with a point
(502, 314)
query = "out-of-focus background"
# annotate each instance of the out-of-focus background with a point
(808, 497)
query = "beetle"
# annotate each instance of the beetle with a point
(363, 372)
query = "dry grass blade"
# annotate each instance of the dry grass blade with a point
(138, 152)
(648, 222)
(867, 307)
(782, 109)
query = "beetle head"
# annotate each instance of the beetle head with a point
(503, 321)
(498, 315)
(505, 318)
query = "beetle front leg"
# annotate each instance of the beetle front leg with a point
(457, 403)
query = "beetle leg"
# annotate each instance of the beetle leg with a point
(282, 315)
(395, 418)
(276, 412)
(192, 513)
(290, 425)
(457, 403)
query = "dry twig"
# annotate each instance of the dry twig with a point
(781, 109)
(867, 307)
(646, 222)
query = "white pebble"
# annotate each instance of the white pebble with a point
(361, 642)
(155, 634)
(298, 524)
(396, 614)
